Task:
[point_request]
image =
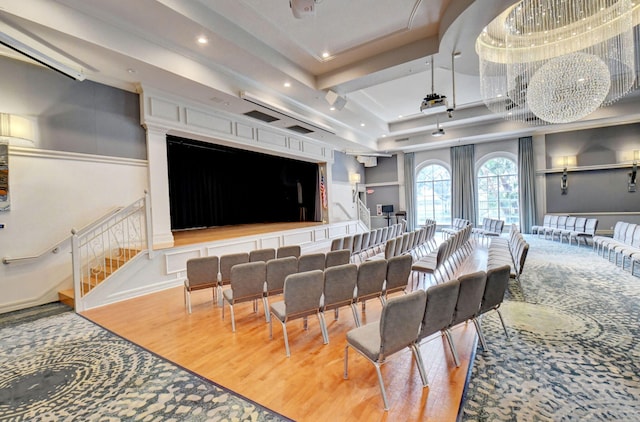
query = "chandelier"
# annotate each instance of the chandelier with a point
(557, 61)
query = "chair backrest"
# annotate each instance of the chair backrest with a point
(398, 272)
(591, 226)
(338, 257)
(348, 243)
(289, 250)
(440, 306)
(553, 222)
(547, 220)
(277, 271)
(202, 271)
(469, 296)
(628, 234)
(385, 234)
(312, 261)
(371, 275)
(400, 322)
(378, 238)
(336, 244)
(227, 261)
(495, 288)
(571, 223)
(365, 241)
(262, 254)
(581, 223)
(562, 221)
(247, 280)
(390, 248)
(357, 243)
(339, 285)
(399, 245)
(635, 241)
(302, 293)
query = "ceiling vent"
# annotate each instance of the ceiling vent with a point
(285, 119)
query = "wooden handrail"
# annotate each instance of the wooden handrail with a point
(56, 247)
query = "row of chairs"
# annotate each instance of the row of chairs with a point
(214, 272)
(625, 244)
(491, 227)
(366, 243)
(416, 243)
(511, 251)
(441, 263)
(407, 321)
(457, 225)
(315, 292)
(567, 227)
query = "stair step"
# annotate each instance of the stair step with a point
(66, 297)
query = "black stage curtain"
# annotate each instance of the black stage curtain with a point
(213, 185)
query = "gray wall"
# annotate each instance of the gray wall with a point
(388, 191)
(592, 191)
(73, 116)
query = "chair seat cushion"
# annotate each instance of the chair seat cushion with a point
(279, 310)
(366, 339)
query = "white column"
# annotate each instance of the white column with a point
(159, 186)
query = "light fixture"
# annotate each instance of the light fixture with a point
(557, 61)
(354, 178)
(335, 100)
(203, 40)
(17, 130)
(439, 131)
(564, 183)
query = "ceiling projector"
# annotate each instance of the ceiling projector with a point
(433, 101)
(303, 8)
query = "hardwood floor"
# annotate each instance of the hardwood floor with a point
(308, 386)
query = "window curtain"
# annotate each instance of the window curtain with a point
(463, 183)
(527, 184)
(410, 189)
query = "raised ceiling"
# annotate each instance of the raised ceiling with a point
(378, 60)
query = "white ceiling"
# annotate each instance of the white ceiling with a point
(379, 54)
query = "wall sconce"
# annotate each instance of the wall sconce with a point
(17, 129)
(632, 177)
(564, 184)
(565, 161)
(354, 178)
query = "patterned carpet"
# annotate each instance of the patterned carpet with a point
(574, 352)
(58, 366)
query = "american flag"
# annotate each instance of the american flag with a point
(323, 192)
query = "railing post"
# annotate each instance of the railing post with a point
(76, 265)
(148, 225)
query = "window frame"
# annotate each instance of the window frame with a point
(515, 218)
(422, 166)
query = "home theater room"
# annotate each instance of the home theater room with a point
(312, 210)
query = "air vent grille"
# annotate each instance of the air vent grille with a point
(261, 116)
(299, 129)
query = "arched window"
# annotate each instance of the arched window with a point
(433, 194)
(498, 190)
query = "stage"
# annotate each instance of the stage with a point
(193, 236)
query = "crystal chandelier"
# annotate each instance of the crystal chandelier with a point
(557, 61)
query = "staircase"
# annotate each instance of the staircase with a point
(98, 273)
(102, 248)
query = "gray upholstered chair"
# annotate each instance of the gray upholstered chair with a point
(227, 261)
(202, 273)
(277, 271)
(396, 330)
(370, 285)
(262, 254)
(247, 284)
(336, 244)
(312, 261)
(433, 264)
(289, 250)
(302, 296)
(495, 288)
(468, 302)
(339, 288)
(337, 257)
(398, 273)
(438, 312)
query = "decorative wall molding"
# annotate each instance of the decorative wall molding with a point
(74, 156)
(184, 117)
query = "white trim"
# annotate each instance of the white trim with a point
(74, 156)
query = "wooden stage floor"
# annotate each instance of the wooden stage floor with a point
(308, 386)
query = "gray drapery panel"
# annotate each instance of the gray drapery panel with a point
(527, 184)
(463, 183)
(410, 189)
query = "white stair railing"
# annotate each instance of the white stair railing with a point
(104, 246)
(364, 214)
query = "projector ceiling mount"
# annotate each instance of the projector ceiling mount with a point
(433, 102)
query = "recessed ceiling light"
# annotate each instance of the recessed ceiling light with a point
(131, 70)
(399, 116)
(362, 124)
(332, 108)
(202, 39)
(325, 54)
(287, 84)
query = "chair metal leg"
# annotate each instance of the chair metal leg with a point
(265, 304)
(187, 299)
(381, 382)
(480, 334)
(447, 333)
(356, 317)
(233, 317)
(323, 328)
(415, 348)
(346, 362)
(504, 327)
(286, 339)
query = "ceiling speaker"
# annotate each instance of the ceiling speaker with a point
(303, 8)
(335, 100)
